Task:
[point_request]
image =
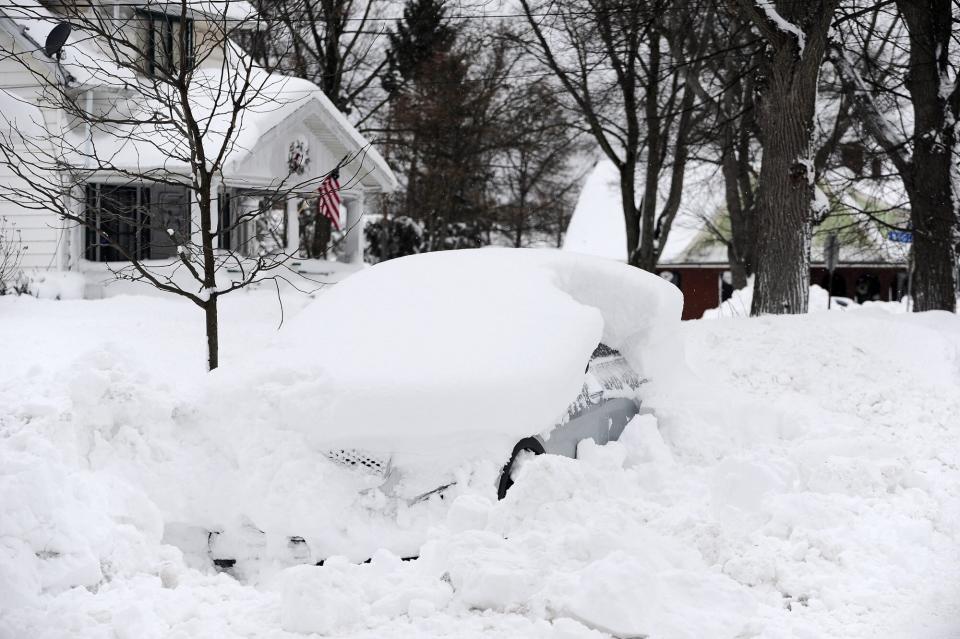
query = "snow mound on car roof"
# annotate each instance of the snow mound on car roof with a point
(460, 351)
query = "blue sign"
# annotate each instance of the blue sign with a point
(900, 236)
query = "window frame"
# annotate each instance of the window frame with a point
(95, 248)
(137, 217)
(162, 57)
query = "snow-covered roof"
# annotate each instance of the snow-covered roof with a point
(272, 99)
(597, 226)
(295, 94)
(275, 99)
(79, 59)
(229, 9)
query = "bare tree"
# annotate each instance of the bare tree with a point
(337, 44)
(149, 110)
(725, 86)
(795, 37)
(612, 59)
(912, 46)
(535, 177)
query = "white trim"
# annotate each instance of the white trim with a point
(293, 226)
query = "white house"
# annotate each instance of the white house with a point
(285, 141)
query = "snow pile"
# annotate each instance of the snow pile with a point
(800, 479)
(610, 574)
(738, 305)
(65, 522)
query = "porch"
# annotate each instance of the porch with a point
(150, 221)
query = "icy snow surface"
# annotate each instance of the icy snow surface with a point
(800, 479)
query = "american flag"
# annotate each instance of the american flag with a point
(328, 198)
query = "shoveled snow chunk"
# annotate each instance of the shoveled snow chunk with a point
(643, 442)
(611, 455)
(321, 599)
(469, 512)
(624, 596)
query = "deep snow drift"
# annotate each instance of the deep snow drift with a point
(801, 479)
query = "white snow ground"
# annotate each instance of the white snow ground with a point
(802, 479)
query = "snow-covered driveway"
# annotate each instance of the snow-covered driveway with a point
(802, 479)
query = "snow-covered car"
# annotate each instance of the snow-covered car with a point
(426, 374)
(607, 401)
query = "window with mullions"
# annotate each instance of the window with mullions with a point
(136, 222)
(117, 223)
(168, 42)
(252, 224)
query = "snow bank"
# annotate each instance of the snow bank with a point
(738, 305)
(454, 353)
(800, 480)
(609, 575)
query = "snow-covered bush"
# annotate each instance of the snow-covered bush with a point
(461, 235)
(54, 285)
(403, 235)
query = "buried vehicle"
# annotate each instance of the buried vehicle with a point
(415, 369)
(607, 401)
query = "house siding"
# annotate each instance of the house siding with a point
(39, 231)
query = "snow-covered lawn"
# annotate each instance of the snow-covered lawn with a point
(801, 479)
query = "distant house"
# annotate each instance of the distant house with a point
(871, 266)
(303, 126)
(869, 269)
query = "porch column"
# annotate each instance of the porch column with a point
(293, 226)
(64, 245)
(74, 232)
(216, 186)
(195, 236)
(353, 242)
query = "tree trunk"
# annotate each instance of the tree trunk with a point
(747, 192)
(737, 187)
(932, 209)
(209, 272)
(934, 274)
(783, 229)
(738, 270)
(737, 247)
(631, 216)
(785, 112)
(933, 219)
(213, 336)
(647, 250)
